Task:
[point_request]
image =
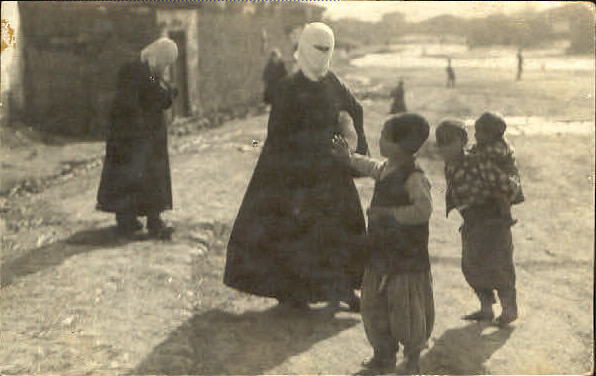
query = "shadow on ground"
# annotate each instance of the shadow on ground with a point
(56, 253)
(463, 351)
(222, 343)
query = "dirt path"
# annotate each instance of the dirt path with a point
(75, 300)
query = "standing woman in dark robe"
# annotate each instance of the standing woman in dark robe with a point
(275, 70)
(399, 99)
(299, 233)
(135, 180)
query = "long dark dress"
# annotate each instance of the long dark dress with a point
(136, 172)
(299, 233)
(399, 102)
(273, 73)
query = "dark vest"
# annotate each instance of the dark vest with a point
(395, 247)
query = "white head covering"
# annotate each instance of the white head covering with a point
(315, 49)
(160, 53)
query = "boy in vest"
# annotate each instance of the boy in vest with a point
(397, 297)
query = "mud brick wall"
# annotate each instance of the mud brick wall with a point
(72, 52)
(231, 50)
(71, 57)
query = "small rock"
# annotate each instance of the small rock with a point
(200, 250)
(203, 236)
(68, 321)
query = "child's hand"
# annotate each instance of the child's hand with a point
(340, 149)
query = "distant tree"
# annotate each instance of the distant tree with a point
(582, 29)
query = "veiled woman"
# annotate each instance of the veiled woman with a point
(299, 233)
(135, 180)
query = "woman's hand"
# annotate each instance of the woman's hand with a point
(341, 149)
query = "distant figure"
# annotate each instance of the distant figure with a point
(274, 72)
(520, 64)
(399, 100)
(450, 74)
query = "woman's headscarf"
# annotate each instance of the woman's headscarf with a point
(315, 49)
(160, 53)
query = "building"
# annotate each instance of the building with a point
(71, 52)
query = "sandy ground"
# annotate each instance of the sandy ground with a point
(76, 300)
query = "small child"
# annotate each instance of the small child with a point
(492, 147)
(397, 297)
(469, 181)
(487, 244)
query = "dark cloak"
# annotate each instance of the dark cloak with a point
(300, 229)
(136, 171)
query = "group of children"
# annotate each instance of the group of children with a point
(397, 297)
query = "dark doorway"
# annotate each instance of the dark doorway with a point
(179, 76)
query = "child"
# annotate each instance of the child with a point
(397, 298)
(492, 147)
(487, 244)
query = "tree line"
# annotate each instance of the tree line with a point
(527, 29)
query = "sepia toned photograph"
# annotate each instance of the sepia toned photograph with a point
(306, 187)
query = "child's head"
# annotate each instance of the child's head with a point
(489, 127)
(451, 138)
(346, 129)
(403, 135)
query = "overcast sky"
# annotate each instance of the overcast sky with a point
(419, 10)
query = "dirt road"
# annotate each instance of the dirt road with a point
(75, 300)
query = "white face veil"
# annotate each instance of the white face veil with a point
(160, 54)
(315, 49)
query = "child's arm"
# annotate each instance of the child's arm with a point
(421, 207)
(420, 210)
(367, 166)
(363, 164)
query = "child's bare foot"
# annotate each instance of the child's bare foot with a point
(505, 319)
(380, 365)
(480, 316)
(412, 368)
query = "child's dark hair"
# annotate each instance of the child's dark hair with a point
(410, 130)
(450, 130)
(492, 124)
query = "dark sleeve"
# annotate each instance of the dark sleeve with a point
(128, 89)
(280, 117)
(266, 72)
(126, 116)
(284, 71)
(165, 95)
(354, 108)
